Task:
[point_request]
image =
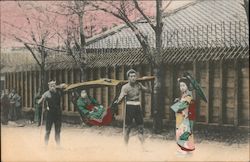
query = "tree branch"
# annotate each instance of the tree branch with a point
(167, 5)
(107, 11)
(144, 15)
(33, 54)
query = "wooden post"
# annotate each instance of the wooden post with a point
(17, 83)
(39, 80)
(91, 73)
(71, 81)
(49, 75)
(171, 90)
(30, 89)
(142, 95)
(236, 93)
(197, 77)
(63, 81)
(208, 81)
(5, 81)
(122, 105)
(77, 75)
(99, 90)
(222, 95)
(14, 80)
(26, 89)
(8, 81)
(11, 81)
(106, 89)
(35, 88)
(66, 105)
(22, 89)
(113, 90)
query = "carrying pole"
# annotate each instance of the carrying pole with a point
(41, 123)
(124, 117)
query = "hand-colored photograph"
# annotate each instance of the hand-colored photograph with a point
(124, 81)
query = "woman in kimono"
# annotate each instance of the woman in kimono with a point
(184, 109)
(92, 112)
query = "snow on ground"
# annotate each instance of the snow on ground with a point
(105, 144)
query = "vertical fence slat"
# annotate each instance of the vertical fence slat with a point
(99, 90)
(106, 89)
(22, 89)
(62, 80)
(26, 89)
(91, 91)
(208, 84)
(35, 85)
(196, 76)
(14, 81)
(11, 81)
(71, 81)
(171, 89)
(236, 93)
(123, 72)
(222, 95)
(17, 82)
(39, 80)
(66, 98)
(6, 80)
(30, 88)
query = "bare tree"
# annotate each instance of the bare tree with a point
(73, 36)
(36, 35)
(121, 10)
(246, 7)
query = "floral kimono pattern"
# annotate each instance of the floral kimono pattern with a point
(185, 116)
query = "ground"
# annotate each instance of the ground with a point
(106, 144)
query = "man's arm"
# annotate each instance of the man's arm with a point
(44, 96)
(122, 94)
(41, 99)
(60, 88)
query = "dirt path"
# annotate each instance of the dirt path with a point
(105, 144)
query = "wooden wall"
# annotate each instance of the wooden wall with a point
(226, 84)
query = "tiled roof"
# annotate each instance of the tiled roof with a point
(199, 19)
(135, 57)
(201, 31)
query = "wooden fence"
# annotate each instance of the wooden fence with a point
(226, 84)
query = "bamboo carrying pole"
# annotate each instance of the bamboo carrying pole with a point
(41, 122)
(124, 117)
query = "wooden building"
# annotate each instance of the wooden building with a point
(207, 38)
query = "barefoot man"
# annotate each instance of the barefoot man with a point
(131, 91)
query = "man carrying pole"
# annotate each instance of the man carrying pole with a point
(52, 99)
(131, 91)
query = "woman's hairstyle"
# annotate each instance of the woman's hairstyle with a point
(186, 81)
(83, 90)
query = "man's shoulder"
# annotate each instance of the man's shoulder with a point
(46, 94)
(126, 86)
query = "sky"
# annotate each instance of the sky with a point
(12, 15)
